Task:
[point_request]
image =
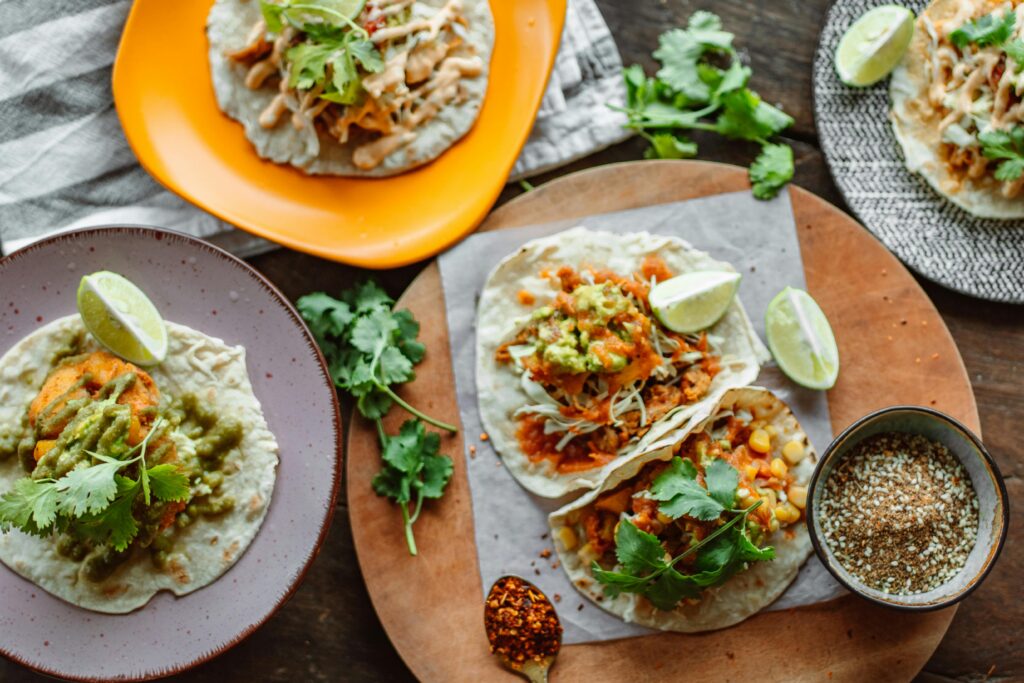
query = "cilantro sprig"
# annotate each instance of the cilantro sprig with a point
(93, 502)
(692, 92)
(987, 30)
(370, 347)
(331, 52)
(646, 568)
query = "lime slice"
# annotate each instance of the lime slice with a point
(122, 318)
(693, 301)
(873, 46)
(801, 339)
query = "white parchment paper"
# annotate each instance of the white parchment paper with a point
(759, 240)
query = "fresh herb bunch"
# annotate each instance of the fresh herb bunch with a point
(725, 551)
(369, 347)
(691, 91)
(333, 49)
(94, 502)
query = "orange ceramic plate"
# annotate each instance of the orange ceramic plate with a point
(165, 99)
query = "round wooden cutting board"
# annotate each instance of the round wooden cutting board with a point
(894, 349)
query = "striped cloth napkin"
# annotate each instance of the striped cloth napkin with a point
(64, 162)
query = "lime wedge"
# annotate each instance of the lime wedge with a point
(122, 318)
(873, 46)
(693, 301)
(801, 339)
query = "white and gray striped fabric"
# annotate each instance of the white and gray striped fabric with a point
(64, 162)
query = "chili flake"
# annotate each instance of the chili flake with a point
(521, 623)
(900, 513)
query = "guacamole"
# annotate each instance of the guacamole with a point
(586, 331)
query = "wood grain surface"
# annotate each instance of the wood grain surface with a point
(873, 303)
(329, 631)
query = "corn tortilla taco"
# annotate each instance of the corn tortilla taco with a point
(575, 372)
(957, 108)
(747, 453)
(376, 95)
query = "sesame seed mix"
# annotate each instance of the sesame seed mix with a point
(900, 514)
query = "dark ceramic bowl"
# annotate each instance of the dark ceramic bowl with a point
(993, 504)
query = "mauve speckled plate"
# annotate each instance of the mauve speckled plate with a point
(205, 288)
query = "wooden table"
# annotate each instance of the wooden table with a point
(329, 632)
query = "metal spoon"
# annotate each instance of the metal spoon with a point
(535, 670)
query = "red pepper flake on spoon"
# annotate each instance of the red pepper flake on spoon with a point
(522, 627)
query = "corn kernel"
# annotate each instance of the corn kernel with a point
(760, 441)
(567, 537)
(750, 471)
(770, 498)
(772, 431)
(747, 502)
(663, 518)
(787, 513)
(793, 452)
(798, 496)
(778, 468)
(773, 525)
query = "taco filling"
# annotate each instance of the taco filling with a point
(698, 518)
(97, 418)
(600, 369)
(372, 81)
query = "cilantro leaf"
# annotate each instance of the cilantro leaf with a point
(373, 332)
(168, 483)
(772, 169)
(1006, 147)
(272, 15)
(325, 315)
(671, 587)
(681, 495)
(390, 483)
(987, 30)
(722, 479)
(706, 28)
(115, 526)
(308, 64)
(745, 116)
(636, 550)
(31, 506)
(89, 489)
(402, 451)
(368, 297)
(437, 472)
(1014, 49)
(670, 146)
(395, 368)
(374, 405)
(678, 53)
(367, 54)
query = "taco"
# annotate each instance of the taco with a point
(957, 108)
(701, 534)
(372, 92)
(117, 482)
(574, 371)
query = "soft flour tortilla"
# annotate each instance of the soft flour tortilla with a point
(227, 27)
(500, 316)
(916, 124)
(204, 550)
(743, 594)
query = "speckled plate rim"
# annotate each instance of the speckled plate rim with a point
(282, 300)
(825, 556)
(816, 111)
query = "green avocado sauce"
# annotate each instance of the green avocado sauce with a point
(565, 342)
(99, 424)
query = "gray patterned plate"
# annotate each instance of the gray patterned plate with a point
(978, 257)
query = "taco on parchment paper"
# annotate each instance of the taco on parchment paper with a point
(69, 409)
(746, 453)
(957, 107)
(575, 372)
(372, 96)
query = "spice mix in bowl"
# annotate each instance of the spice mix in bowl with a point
(908, 509)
